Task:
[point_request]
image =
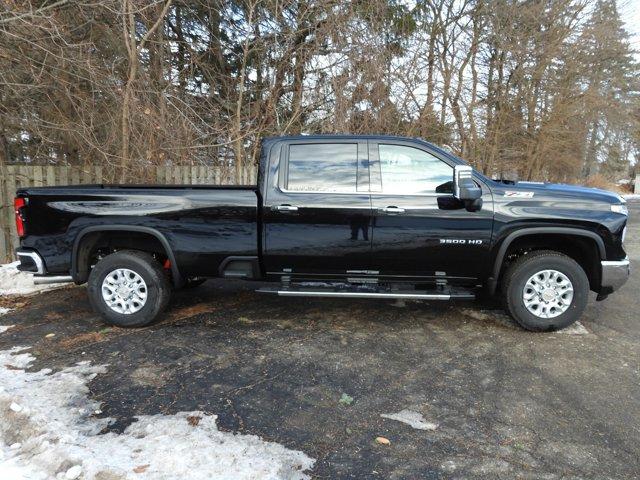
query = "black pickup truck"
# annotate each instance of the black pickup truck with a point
(334, 216)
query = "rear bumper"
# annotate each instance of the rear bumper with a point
(614, 274)
(30, 261)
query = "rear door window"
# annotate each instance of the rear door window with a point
(322, 167)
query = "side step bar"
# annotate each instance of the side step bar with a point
(48, 280)
(347, 294)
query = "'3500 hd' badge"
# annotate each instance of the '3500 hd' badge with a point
(460, 241)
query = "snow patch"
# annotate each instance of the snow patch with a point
(53, 434)
(476, 314)
(414, 419)
(4, 311)
(4, 328)
(14, 282)
(575, 329)
(488, 315)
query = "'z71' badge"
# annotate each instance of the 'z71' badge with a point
(513, 194)
(460, 241)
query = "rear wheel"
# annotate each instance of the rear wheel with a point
(545, 291)
(129, 288)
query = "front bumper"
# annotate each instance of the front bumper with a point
(614, 274)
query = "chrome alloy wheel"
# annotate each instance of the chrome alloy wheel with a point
(548, 293)
(124, 291)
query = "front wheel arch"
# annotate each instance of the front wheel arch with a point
(547, 238)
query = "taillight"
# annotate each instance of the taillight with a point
(18, 203)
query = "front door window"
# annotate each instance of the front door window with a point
(410, 171)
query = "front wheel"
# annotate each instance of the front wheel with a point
(545, 291)
(129, 288)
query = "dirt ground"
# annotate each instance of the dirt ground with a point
(507, 403)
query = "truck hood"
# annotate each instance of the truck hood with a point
(532, 189)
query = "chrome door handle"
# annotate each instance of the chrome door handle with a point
(285, 208)
(395, 210)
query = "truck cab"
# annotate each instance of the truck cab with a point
(382, 208)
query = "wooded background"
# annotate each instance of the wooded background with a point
(545, 89)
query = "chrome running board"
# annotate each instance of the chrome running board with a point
(422, 296)
(354, 294)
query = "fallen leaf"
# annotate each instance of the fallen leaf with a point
(346, 399)
(193, 420)
(141, 468)
(383, 441)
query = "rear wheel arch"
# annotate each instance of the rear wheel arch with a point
(589, 252)
(88, 237)
(129, 288)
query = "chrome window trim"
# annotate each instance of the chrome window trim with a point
(434, 194)
(326, 192)
(380, 194)
(283, 174)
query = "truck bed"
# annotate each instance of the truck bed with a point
(202, 224)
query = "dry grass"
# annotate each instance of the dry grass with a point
(600, 181)
(82, 339)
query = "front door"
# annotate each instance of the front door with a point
(420, 229)
(317, 210)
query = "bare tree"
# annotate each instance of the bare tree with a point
(546, 90)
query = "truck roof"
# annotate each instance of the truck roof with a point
(343, 136)
(348, 136)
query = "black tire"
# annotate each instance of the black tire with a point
(158, 287)
(519, 272)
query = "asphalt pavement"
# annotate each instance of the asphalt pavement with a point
(505, 403)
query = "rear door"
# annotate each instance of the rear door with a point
(420, 229)
(317, 210)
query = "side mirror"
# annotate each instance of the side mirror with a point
(465, 189)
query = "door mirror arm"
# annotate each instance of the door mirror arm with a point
(465, 189)
(473, 205)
